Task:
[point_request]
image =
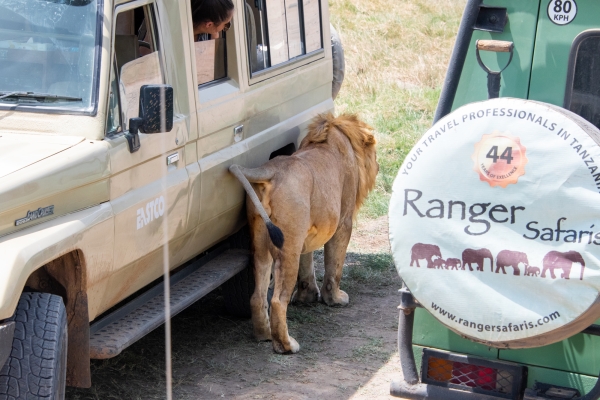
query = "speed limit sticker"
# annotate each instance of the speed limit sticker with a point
(562, 12)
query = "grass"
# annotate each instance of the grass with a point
(396, 57)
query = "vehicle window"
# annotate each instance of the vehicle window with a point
(211, 59)
(137, 62)
(113, 115)
(585, 90)
(49, 48)
(280, 30)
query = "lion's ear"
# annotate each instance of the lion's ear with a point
(369, 140)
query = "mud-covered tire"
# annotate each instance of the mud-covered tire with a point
(37, 365)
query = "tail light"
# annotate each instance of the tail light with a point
(473, 374)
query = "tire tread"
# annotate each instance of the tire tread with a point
(31, 367)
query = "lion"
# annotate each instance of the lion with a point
(297, 204)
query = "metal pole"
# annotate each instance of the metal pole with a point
(457, 60)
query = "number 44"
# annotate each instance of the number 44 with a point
(506, 154)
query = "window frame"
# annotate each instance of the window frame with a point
(121, 8)
(292, 63)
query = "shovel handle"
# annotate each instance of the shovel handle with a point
(497, 46)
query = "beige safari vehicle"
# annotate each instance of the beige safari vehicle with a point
(116, 134)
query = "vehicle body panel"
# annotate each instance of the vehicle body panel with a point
(100, 190)
(515, 79)
(538, 71)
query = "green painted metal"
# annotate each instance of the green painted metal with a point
(552, 48)
(583, 383)
(538, 72)
(430, 332)
(520, 30)
(579, 353)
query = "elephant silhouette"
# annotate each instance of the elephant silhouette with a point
(421, 251)
(439, 263)
(453, 263)
(508, 258)
(531, 271)
(472, 256)
(556, 259)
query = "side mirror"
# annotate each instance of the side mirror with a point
(155, 115)
(156, 103)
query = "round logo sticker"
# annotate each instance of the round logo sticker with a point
(495, 222)
(562, 12)
(499, 159)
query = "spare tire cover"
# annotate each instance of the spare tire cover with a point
(495, 222)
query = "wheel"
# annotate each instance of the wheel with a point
(339, 64)
(528, 279)
(37, 365)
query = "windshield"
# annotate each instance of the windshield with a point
(48, 48)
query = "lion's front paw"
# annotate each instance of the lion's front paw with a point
(306, 293)
(335, 298)
(293, 346)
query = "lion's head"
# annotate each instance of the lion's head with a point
(363, 143)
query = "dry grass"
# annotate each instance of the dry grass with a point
(396, 53)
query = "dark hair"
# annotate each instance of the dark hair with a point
(215, 11)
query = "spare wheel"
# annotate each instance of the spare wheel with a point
(495, 222)
(339, 63)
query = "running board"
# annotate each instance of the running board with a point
(115, 332)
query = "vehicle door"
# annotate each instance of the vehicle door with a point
(149, 187)
(278, 75)
(567, 44)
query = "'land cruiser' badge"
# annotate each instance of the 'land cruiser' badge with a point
(35, 214)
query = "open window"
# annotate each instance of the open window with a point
(211, 59)
(582, 95)
(137, 62)
(279, 31)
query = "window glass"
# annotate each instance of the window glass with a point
(113, 117)
(137, 59)
(280, 30)
(211, 61)
(48, 47)
(585, 96)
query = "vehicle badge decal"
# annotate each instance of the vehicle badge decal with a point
(35, 214)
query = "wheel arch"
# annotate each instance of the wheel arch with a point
(65, 276)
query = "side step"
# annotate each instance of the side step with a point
(115, 332)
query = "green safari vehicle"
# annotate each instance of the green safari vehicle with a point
(545, 53)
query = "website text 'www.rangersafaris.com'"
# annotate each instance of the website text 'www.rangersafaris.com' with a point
(497, 328)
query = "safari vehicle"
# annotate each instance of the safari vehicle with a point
(116, 134)
(485, 334)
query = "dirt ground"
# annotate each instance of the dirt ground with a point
(346, 353)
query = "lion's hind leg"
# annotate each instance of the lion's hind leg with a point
(307, 291)
(263, 262)
(285, 274)
(335, 255)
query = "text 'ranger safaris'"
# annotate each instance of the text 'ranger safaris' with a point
(481, 216)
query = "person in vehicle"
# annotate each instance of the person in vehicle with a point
(210, 17)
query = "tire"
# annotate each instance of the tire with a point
(37, 365)
(339, 63)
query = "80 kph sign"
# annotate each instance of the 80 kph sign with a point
(562, 12)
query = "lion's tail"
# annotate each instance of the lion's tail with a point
(274, 232)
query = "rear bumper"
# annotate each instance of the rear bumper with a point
(410, 386)
(7, 330)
